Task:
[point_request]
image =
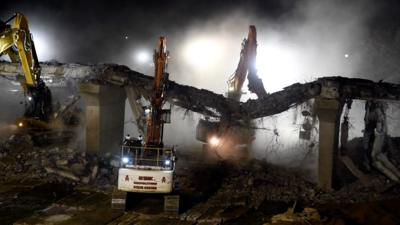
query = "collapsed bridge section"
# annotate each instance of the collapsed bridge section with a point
(104, 88)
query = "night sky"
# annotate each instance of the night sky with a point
(94, 30)
(111, 31)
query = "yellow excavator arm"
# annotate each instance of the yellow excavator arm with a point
(16, 42)
(18, 35)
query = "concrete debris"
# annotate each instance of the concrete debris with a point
(62, 173)
(248, 187)
(273, 183)
(307, 216)
(20, 158)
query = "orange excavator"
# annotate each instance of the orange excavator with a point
(246, 69)
(228, 137)
(158, 115)
(149, 166)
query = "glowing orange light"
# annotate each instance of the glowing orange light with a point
(214, 141)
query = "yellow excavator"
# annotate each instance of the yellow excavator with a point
(39, 121)
(228, 138)
(16, 42)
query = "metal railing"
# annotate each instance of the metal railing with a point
(142, 157)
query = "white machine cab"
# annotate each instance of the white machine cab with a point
(146, 170)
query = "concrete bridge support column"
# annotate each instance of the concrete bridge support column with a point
(105, 108)
(329, 112)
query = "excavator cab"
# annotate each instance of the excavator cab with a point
(140, 157)
(146, 169)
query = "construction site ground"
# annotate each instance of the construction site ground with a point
(211, 193)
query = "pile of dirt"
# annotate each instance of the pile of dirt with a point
(249, 186)
(20, 159)
(258, 181)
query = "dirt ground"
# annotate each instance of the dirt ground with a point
(56, 185)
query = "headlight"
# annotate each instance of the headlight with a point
(20, 124)
(125, 160)
(214, 141)
(167, 162)
(29, 98)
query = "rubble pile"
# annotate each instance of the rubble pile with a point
(247, 187)
(259, 181)
(20, 159)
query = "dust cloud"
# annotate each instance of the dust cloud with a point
(298, 41)
(315, 39)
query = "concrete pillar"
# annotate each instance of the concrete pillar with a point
(328, 112)
(104, 108)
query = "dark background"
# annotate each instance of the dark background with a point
(94, 31)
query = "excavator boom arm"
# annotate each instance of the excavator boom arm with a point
(246, 68)
(16, 42)
(18, 35)
(155, 123)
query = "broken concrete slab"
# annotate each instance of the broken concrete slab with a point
(212, 104)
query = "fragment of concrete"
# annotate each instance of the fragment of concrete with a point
(77, 168)
(62, 173)
(307, 216)
(94, 172)
(195, 212)
(348, 162)
(375, 135)
(344, 135)
(57, 218)
(61, 162)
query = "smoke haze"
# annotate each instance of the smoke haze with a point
(298, 41)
